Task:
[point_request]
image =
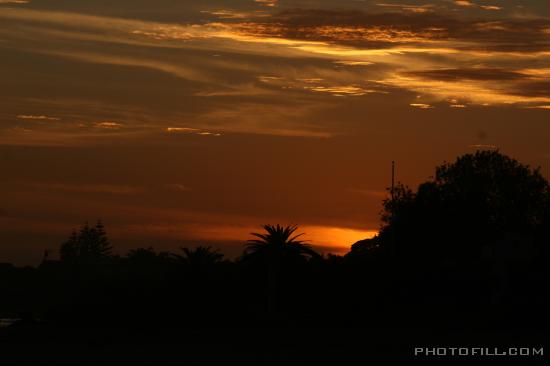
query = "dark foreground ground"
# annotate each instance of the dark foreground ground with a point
(42, 344)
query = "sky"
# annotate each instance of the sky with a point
(184, 123)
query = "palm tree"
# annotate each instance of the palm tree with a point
(199, 259)
(279, 242)
(278, 245)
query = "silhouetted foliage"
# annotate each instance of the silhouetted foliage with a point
(480, 200)
(89, 245)
(147, 261)
(279, 243)
(476, 233)
(200, 257)
(365, 248)
(276, 250)
(145, 255)
(467, 250)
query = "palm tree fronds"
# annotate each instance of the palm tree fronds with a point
(279, 241)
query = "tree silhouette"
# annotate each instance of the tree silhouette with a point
(200, 261)
(480, 200)
(277, 248)
(278, 243)
(144, 255)
(200, 258)
(478, 226)
(89, 245)
(147, 260)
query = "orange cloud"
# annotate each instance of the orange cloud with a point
(421, 105)
(410, 8)
(194, 131)
(108, 125)
(268, 3)
(470, 4)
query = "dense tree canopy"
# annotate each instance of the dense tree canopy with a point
(479, 201)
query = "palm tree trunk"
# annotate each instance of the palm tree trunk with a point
(273, 288)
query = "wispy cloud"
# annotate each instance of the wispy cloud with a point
(178, 187)
(89, 188)
(281, 120)
(409, 8)
(477, 73)
(354, 63)
(237, 67)
(37, 117)
(477, 85)
(483, 147)
(110, 125)
(342, 90)
(182, 129)
(471, 4)
(233, 14)
(268, 3)
(189, 130)
(466, 3)
(421, 105)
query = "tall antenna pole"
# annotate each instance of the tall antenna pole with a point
(392, 178)
(392, 232)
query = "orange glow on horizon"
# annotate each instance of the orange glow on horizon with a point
(335, 237)
(323, 236)
(328, 238)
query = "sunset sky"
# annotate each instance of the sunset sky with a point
(183, 122)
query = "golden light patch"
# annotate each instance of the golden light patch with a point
(341, 90)
(466, 3)
(421, 105)
(335, 236)
(268, 3)
(108, 125)
(354, 63)
(189, 130)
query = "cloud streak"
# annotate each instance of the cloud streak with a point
(88, 188)
(336, 53)
(471, 4)
(36, 117)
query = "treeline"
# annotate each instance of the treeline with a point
(466, 249)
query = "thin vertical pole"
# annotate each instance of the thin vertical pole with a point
(392, 178)
(392, 231)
